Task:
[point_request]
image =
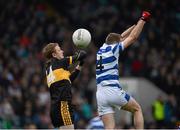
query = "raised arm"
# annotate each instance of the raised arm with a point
(126, 33)
(75, 73)
(136, 30)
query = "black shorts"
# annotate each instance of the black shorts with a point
(62, 114)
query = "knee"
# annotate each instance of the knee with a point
(109, 126)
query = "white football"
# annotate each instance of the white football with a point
(81, 38)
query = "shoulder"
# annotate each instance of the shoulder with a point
(59, 62)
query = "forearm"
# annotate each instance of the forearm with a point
(137, 29)
(127, 32)
(134, 34)
(75, 73)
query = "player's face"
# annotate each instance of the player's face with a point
(58, 52)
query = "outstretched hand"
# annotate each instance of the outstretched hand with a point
(145, 16)
(81, 54)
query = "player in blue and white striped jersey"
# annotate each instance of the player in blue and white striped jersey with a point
(95, 123)
(109, 91)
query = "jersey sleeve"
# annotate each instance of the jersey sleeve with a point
(70, 60)
(66, 61)
(74, 75)
(121, 46)
(118, 48)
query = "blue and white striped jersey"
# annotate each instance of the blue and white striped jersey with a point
(107, 73)
(95, 123)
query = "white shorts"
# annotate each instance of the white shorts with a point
(108, 98)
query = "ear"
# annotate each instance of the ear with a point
(54, 54)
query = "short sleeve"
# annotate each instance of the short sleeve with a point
(121, 46)
(68, 60)
(64, 63)
(118, 48)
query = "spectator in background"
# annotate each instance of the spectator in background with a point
(158, 112)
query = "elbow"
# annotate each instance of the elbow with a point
(135, 39)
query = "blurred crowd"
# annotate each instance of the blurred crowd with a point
(26, 26)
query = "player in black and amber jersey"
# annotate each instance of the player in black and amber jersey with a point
(59, 80)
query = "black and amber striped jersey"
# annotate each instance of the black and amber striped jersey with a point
(59, 78)
(57, 70)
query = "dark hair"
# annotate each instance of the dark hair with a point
(48, 50)
(113, 38)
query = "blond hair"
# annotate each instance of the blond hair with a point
(113, 38)
(48, 50)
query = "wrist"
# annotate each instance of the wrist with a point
(142, 21)
(142, 18)
(78, 67)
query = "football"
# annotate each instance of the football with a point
(81, 38)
